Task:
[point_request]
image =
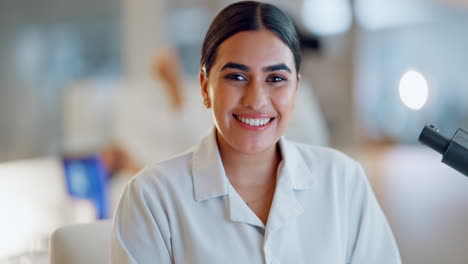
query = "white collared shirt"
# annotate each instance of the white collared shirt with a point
(184, 210)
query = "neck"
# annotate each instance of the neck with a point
(249, 169)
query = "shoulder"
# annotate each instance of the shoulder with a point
(322, 156)
(327, 164)
(165, 176)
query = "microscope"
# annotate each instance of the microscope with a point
(454, 151)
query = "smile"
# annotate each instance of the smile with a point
(259, 122)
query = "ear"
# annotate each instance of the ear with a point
(298, 80)
(204, 89)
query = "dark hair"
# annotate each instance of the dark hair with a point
(245, 16)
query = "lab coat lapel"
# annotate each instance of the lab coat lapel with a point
(240, 212)
(293, 175)
(285, 206)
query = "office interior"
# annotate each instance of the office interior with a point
(82, 79)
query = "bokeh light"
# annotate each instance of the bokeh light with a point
(413, 90)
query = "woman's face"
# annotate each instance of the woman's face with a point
(251, 88)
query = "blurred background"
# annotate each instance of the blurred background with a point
(90, 91)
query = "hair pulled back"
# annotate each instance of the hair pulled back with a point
(248, 16)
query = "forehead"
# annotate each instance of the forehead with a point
(254, 48)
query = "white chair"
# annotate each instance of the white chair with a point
(81, 244)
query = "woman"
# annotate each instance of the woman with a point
(245, 194)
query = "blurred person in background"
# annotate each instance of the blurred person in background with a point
(246, 194)
(154, 120)
(132, 123)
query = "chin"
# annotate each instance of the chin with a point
(253, 147)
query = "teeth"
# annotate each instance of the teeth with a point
(253, 121)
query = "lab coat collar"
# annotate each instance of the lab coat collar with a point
(210, 178)
(300, 173)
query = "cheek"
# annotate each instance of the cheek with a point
(223, 98)
(223, 94)
(284, 99)
(215, 91)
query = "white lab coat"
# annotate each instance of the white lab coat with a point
(184, 210)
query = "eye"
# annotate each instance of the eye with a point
(235, 77)
(275, 78)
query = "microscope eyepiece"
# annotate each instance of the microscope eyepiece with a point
(454, 151)
(431, 137)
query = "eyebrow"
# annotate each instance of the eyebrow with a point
(243, 67)
(277, 67)
(237, 66)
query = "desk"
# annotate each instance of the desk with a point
(425, 201)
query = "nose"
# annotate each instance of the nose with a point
(255, 95)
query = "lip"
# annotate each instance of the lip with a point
(254, 128)
(255, 115)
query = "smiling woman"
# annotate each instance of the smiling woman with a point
(245, 194)
(251, 81)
